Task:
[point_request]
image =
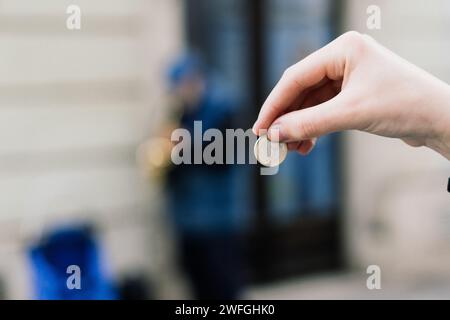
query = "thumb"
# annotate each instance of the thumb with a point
(330, 116)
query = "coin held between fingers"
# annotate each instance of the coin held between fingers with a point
(269, 153)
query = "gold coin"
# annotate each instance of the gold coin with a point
(269, 153)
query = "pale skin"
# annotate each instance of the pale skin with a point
(354, 83)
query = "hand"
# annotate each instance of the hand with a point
(355, 83)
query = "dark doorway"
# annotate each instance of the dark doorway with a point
(295, 228)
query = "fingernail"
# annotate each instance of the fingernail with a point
(276, 133)
(307, 152)
(254, 129)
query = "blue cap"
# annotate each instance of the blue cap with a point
(187, 65)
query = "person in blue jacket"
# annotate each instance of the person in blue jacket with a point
(202, 198)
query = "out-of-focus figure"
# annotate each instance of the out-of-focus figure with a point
(64, 247)
(201, 198)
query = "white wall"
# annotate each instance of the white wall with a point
(397, 203)
(74, 105)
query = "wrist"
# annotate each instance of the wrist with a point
(440, 140)
(441, 145)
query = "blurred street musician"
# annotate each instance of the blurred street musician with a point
(201, 197)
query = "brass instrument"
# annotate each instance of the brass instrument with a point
(154, 155)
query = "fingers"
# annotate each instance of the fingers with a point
(303, 147)
(307, 146)
(327, 117)
(293, 146)
(311, 71)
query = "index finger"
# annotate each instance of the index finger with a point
(297, 78)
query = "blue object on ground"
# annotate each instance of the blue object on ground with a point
(64, 247)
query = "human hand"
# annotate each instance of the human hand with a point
(355, 83)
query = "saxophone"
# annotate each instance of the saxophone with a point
(154, 155)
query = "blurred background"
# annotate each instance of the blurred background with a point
(84, 113)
